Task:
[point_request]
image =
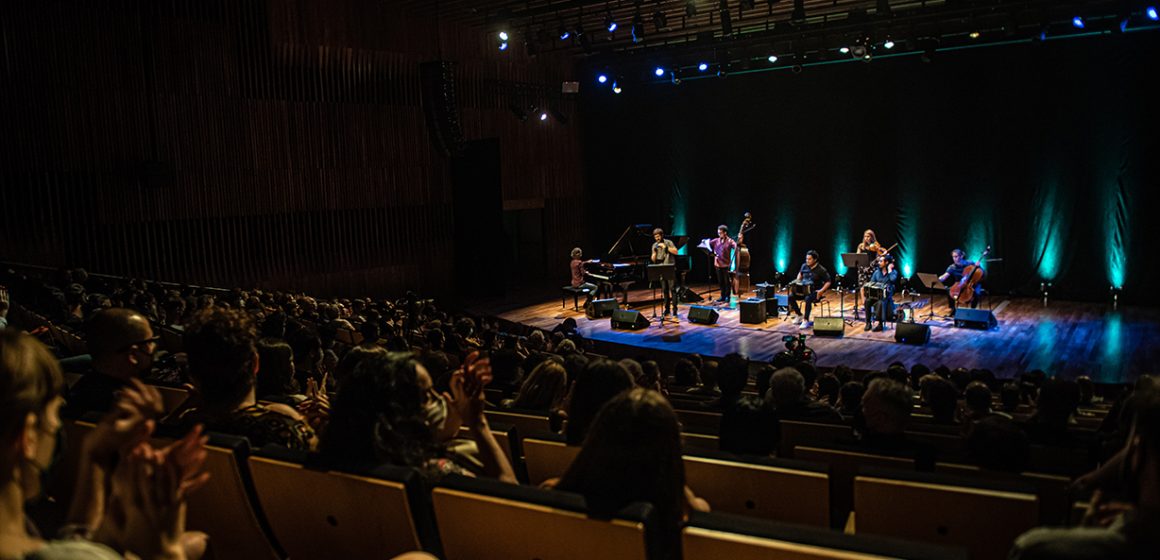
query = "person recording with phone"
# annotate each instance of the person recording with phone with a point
(664, 252)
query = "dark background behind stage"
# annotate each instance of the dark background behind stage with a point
(1045, 151)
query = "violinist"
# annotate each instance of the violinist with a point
(954, 274)
(869, 246)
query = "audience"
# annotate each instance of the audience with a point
(633, 453)
(941, 397)
(223, 363)
(977, 399)
(996, 443)
(788, 399)
(122, 344)
(600, 381)
(850, 399)
(276, 380)
(886, 409)
(544, 389)
(387, 413)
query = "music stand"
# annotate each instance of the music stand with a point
(856, 262)
(931, 281)
(661, 272)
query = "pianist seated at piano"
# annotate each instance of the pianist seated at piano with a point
(879, 293)
(578, 280)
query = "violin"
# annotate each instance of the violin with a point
(964, 290)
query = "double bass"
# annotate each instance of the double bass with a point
(963, 291)
(740, 264)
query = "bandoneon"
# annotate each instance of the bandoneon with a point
(876, 290)
(801, 288)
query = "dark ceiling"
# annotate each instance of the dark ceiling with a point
(801, 30)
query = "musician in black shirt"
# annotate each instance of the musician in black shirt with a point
(664, 252)
(814, 274)
(954, 275)
(883, 308)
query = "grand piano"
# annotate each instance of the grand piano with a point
(626, 262)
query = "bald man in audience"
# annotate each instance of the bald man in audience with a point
(122, 344)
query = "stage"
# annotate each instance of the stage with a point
(1067, 338)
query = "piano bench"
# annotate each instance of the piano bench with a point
(575, 296)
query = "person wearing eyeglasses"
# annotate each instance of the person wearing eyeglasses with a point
(122, 344)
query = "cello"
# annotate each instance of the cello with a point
(740, 264)
(963, 291)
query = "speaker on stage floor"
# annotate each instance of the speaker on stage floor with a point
(752, 311)
(911, 333)
(829, 326)
(975, 319)
(702, 315)
(601, 308)
(630, 319)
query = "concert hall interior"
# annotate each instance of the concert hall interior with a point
(491, 264)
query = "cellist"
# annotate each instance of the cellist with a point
(954, 274)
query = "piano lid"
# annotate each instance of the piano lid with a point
(637, 240)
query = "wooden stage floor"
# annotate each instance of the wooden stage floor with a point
(1064, 338)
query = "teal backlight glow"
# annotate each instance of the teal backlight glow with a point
(1049, 232)
(783, 239)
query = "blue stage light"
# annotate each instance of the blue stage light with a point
(1077, 22)
(772, 58)
(659, 71)
(503, 36)
(888, 44)
(503, 46)
(611, 26)
(602, 78)
(1150, 11)
(703, 66)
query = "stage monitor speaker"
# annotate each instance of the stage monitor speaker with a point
(829, 326)
(702, 315)
(752, 311)
(975, 319)
(911, 333)
(601, 308)
(630, 319)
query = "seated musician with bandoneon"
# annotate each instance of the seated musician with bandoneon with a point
(879, 293)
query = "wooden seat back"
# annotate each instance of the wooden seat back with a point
(815, 434)
(789, 491)
(547, 458)
(984, 518)
(482, 519)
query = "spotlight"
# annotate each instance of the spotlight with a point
(609, 23)
(703, 66)
(659, 71)
(1150, 11)
(1077, 22)
(660, 20)
(799, 11)
(772, 59)
(616, 88)
(603, 78)
(503, 36)
(975, 34)
(889, 44)
(503, 46)
(844, 50)
(543, 116)
(564, 33)
(726, 18)
(637, 28)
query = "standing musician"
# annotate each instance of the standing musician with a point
(868, 246)
(578, 281)
(723, 247)
(663, 252)
(812, 272)
(881, 308)
(954, 274)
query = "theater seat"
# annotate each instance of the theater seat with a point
(984, 516)
(793, 434)
(483, 519)
(776, 489)
(715, 536)
(1054, 492)
(317, 513)
(227, 509)
(547, 457)
(524, 422)
(844, 465)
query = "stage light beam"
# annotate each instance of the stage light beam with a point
(1077, 22)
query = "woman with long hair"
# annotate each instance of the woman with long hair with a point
(544, 389)
(633, 453)
(595, 385)
(387, 412)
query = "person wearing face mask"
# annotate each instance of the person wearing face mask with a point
(149, 515)
(1123, 519)
(387, 412)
